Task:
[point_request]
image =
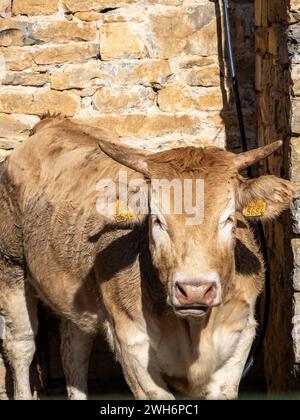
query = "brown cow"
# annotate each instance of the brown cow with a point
(175, 301)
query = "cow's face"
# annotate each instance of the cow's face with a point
(195, 258)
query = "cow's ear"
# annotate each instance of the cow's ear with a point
(264, 197)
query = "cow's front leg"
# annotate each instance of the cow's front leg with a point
(76, 348)
(139, 363)
(224, 384)
(18, 306)
(3, 390)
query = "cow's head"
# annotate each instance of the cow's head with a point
(197, 261)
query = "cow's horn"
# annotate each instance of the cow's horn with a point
(246, 159)
(131, 158)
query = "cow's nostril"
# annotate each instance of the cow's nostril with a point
(211, 289)
(196, 292)
(211, 292)
(181, 290)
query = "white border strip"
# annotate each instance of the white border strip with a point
(2, 328)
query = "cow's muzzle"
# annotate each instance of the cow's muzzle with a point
(195, 297)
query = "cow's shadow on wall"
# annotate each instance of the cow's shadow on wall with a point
(244, 57)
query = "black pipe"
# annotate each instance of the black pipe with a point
(233, 75)
(258, 344)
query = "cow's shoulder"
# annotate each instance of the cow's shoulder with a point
(53, 138)
(71, 131)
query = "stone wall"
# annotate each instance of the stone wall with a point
(148, 69)
(151, 70)
(277, 86)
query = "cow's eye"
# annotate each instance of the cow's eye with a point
(159, 231)
(159, 223)
(229, 222)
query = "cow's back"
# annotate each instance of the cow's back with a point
(63, 160)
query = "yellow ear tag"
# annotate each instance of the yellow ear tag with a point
(123, 215)
(255, 208)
